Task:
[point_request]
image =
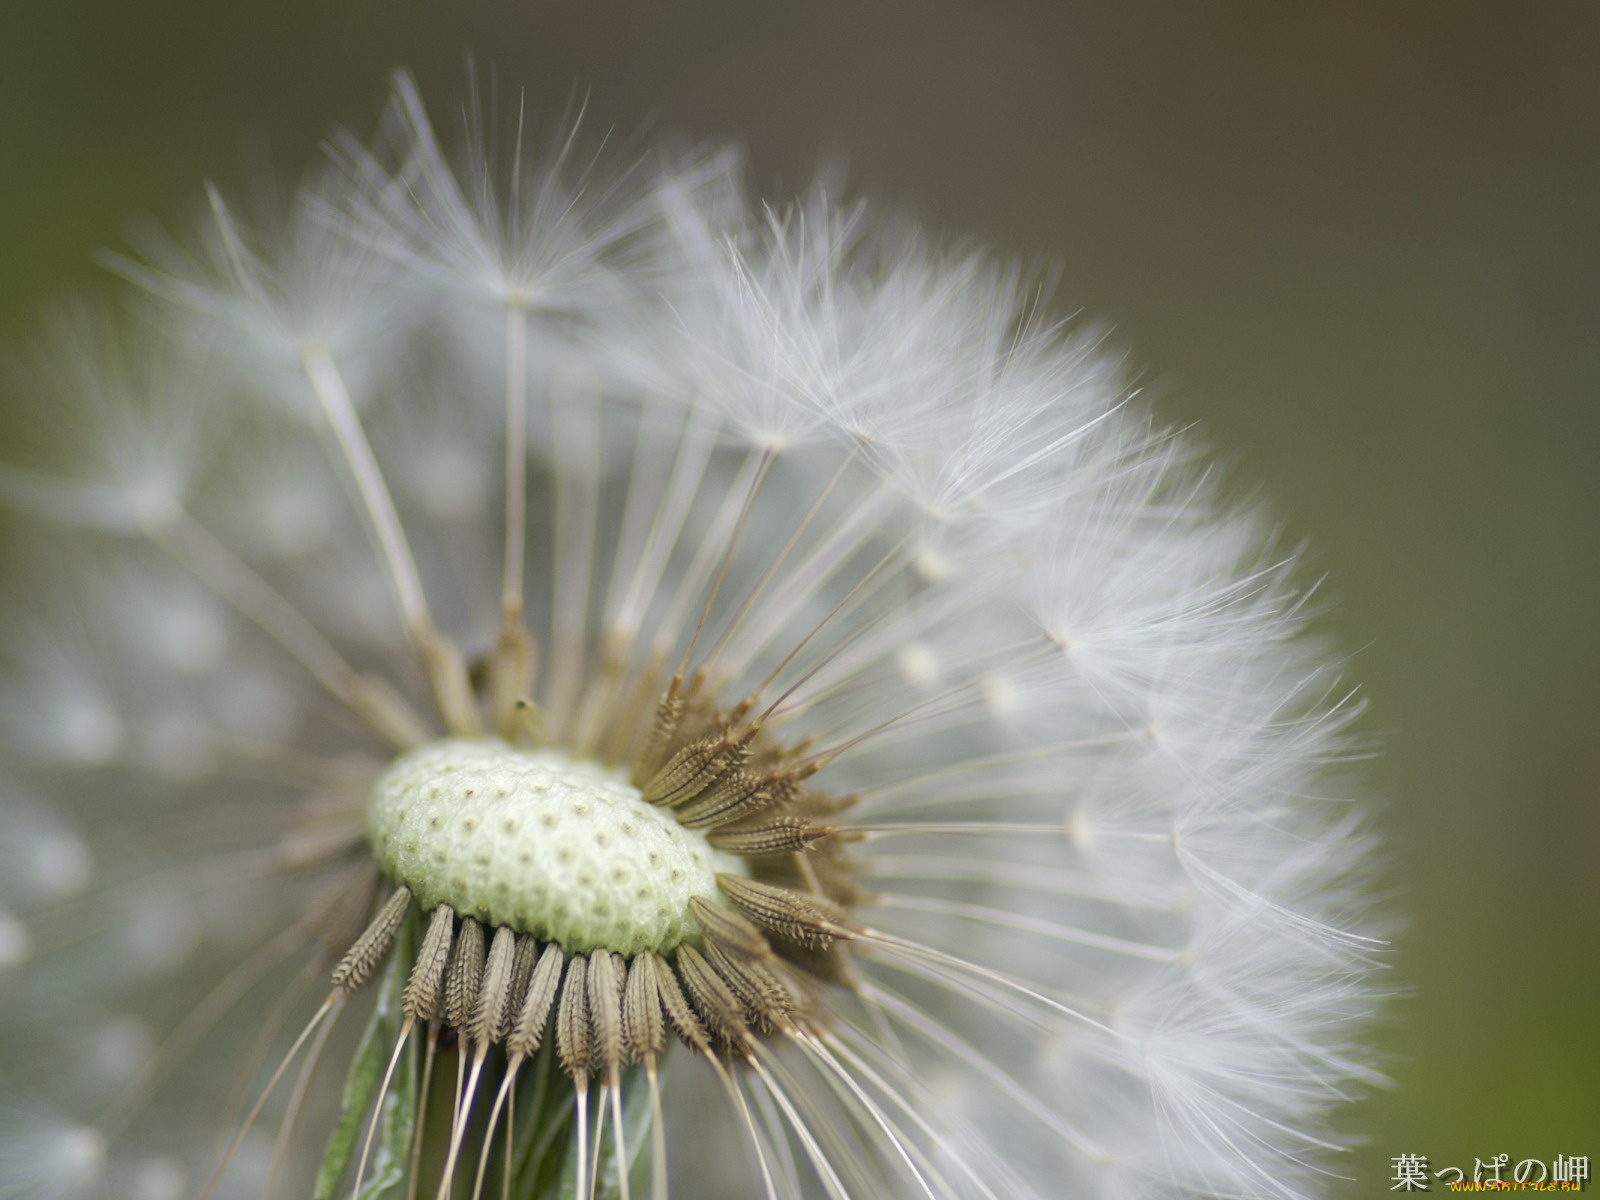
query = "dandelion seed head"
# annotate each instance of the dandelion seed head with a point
(724, 699)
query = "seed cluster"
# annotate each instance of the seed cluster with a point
(752, 961)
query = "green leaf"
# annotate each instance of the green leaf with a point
(542, 1130)
(636, 1128)
(391, 1150)
(552, 1166)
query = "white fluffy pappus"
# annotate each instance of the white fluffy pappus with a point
(1063, 895)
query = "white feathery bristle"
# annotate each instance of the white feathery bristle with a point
(158, 1179)
(16, 945)
(287, 512)
(48, 1158)
(42, 859)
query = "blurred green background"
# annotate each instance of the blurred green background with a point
(1358, 243)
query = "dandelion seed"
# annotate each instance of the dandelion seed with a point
(545, 683)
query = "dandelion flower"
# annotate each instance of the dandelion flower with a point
(528, 680)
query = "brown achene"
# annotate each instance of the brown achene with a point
(760, 961)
